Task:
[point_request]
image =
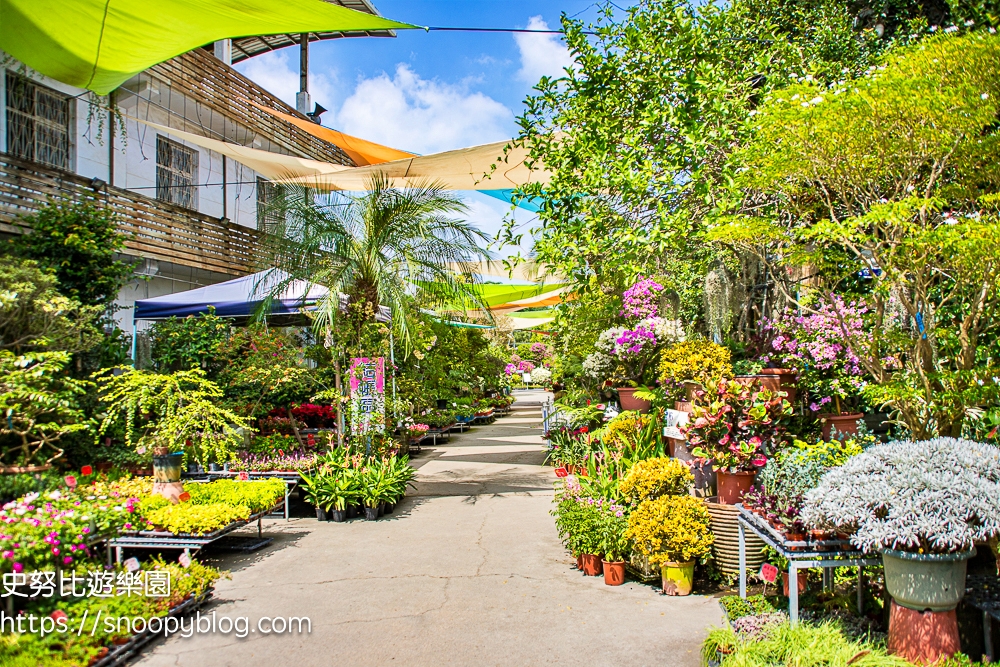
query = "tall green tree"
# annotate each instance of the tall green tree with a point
(81, 243)
(894, 177)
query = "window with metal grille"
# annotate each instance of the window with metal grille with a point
(268, 214)
(176, 173)
(38, 122)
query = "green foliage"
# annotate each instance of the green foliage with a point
(163, 411)
(804, 644)
(80, 242)
(262, 368)
(191, 519)
(896, 173)
(753, 605)
(188, 342)
(39, 405)
(257, 495)
(35, 316)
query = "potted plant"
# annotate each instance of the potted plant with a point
(829, 371)
(165, 413)
(672, 532)
(689, 365)
(577, 523)
(313, 492)
(736, 426)
(612, 543)
(923, 505)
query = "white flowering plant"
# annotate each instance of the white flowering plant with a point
(931, 497)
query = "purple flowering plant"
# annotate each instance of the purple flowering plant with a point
(816, 345)
(641, 299)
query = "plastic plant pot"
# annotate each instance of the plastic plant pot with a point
(926, 582)
(320, 513)
(371, 513)
(614, 572)
(732, 485)
(591, 565)
(678, 578)
(338, 515)
(629, 402)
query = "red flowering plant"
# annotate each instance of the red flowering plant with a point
(735, 424)
(315, 416)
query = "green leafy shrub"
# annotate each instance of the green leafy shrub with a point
(195, 519)
(257, 495)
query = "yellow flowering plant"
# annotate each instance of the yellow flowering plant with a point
(671, 529)
(697, 361)
(656, 477)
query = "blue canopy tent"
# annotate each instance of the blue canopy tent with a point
(240, 297)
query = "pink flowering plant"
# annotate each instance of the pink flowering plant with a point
(815, 344)
(611, 523)
(56, 530)
(736, 425)
(641, 300)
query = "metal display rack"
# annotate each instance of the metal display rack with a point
(156, 539)
(801, 554)
(291, 480)
(120, 655)
(443, 432)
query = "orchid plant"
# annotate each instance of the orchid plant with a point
(736, 425)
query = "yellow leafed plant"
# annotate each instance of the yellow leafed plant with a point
(653, 478)
(671, 529)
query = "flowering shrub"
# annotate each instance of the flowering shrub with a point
(290, 462)
(417, 430)
(671, 529)
(315, 416)
(623, 431)
(735, 424)
(652, 478)
(542, 376)
(640, 300)
(540, 351)
(611, 524)
(697, 361)
(55, 530)
(577, 522)
(934, 496)
(815, 346)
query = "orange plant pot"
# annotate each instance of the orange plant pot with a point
(614, 572)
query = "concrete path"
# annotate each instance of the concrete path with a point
(468, 571)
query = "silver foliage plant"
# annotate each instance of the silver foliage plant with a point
(934, 496)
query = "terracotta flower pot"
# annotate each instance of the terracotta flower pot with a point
(591, 565)
(579, 562)
(803, 582)
(629, 402)
(843, 423)
(614, 572)
(780, 379)
(732, 485)
(677, 578)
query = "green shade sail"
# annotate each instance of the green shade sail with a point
(100, 44)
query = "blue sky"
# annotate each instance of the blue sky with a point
(432, 91)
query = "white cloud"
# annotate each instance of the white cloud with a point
(421, 115)
(541, 54)
(277, 73)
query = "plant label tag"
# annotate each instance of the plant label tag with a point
(244, 476)
(184, 497)
(561, 472)
(673, 420)
(184, 559)
(768, 573)
(131, 564)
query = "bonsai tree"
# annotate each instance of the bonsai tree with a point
(164, 412)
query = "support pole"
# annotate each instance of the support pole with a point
(743, 559)
(225, 203)
(134, 335)
(392, 362)
(303, 102)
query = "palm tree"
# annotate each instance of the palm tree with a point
(376, 248)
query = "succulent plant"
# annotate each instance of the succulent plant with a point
(933, 496)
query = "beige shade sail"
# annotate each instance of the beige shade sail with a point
(273, 166)
(462, 169)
